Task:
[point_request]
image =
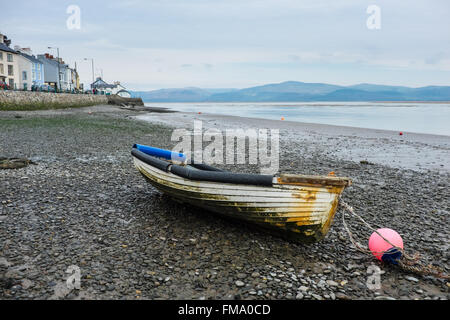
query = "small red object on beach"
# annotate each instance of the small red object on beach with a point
(282, 118)
(199, 112)
(400, 133)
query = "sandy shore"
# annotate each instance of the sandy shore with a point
(85, 204)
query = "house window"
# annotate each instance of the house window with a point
(10, 57)
(24, 75)
(2, 69)
(11, 83)
(33, 75)
(10, 70)
(1, 55)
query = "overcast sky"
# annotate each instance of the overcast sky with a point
(157, 44)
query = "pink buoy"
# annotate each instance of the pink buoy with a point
(379, 246)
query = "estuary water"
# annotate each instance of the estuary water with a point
(431, 118)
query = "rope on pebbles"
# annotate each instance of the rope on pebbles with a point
(406, 262)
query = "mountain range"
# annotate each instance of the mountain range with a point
(295, 91)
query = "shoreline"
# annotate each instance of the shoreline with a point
(416, 151)
(312, 102)
(85, 204)
(371, 115)
(216, 116)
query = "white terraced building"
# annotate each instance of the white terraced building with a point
(105, 88)
(9, 64)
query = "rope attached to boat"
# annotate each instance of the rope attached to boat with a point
(406, 262)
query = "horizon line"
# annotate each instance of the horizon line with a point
(297, 81)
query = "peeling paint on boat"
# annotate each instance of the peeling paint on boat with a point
(297, 207)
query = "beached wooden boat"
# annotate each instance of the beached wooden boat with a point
(298, 207)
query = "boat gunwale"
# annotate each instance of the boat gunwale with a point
(276, 192)
(285, 179)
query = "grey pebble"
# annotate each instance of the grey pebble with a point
(239, 283)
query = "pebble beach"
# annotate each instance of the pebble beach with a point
(84, 204)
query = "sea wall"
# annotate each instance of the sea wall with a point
(30, 100)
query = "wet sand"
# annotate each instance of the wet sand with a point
(408, 151)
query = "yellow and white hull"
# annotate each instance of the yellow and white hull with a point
(298, 207)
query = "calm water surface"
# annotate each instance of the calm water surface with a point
(431, 118)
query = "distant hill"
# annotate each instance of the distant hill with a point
(361, 95)
(379, 87)
(285, 91)
(173, 95)
(299, 91)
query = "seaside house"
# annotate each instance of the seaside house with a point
(24, 77)
(36, 74)
(75, 83)
(30, 69)
(70, 79)
(66, 76)
(103, 87)
(9, 64)
(50, 69)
